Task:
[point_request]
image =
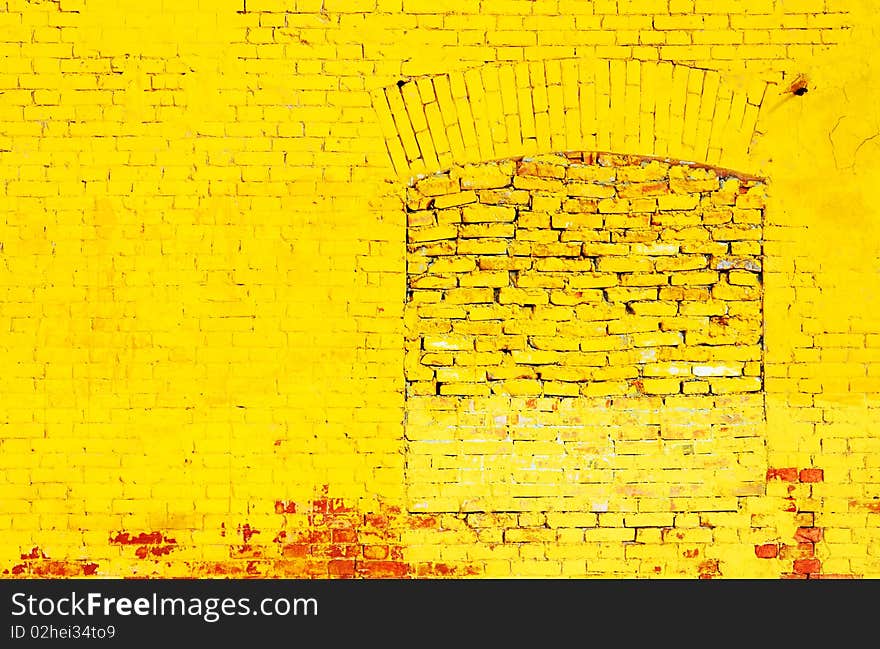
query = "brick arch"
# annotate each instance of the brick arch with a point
(654, 109)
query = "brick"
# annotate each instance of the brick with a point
(681, 262)
(689, 278)
(786, 474)
(484, 279)
(438, 233)
(766, 551)
(535, 357)
(452, 265)
(638, 190)
(624, 264)
(464, 389)
(522, 296)
(644, 279)
(483, 176)
(441, 343)
(729, 263)
(718, 370)
(808, 534)
(483, 246)
(742, 278)
(487, 214)
(807, 566)
(812, 475)
(589, 190)
(571, 519)
(725, 291)
(659, 339)
(728, 385)
(469, 296)
(648, 520)
(542, 168)
(552, 264)
(504, 197)
(678, 202)
(580, 220)
(661, 386)
(735, 233)
(486, 230)
(454, 200)
(518, 387)
(537, 183)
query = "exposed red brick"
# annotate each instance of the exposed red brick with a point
(335, 540)
(343, 551)
(344, 569)
(36, 563)
(787, 474)
(292, 550)
(795, 552)
(386, 569)
(445, 570)
(56, 569)
(318, 536)
(767, 551)
(344, 536)
(808, 534)
(376, 520)
(807, 566)
(812, 475)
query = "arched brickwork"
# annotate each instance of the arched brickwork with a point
(582, 330)
(657, 109)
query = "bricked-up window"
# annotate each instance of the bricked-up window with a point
(610, 282)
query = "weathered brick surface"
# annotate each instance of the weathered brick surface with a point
(249, 249)
(570, 299)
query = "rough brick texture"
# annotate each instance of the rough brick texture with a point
(563, 277)
(252, 248)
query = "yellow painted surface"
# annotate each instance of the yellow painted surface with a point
(583, 334)
(204, 315)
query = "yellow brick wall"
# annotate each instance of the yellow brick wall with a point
(583, 332)
(204, 312)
